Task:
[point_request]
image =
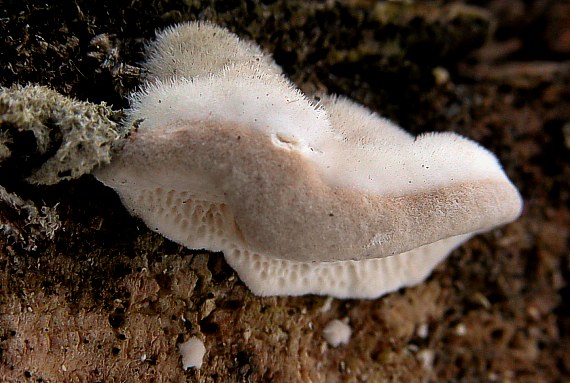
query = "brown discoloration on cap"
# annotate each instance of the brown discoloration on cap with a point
(283, 209)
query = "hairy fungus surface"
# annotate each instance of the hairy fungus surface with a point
(301, 197)
(337, 333)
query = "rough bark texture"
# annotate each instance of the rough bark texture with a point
(89, 294)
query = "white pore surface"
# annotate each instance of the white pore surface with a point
(369, 278)
(203, 224)
(184, 219)
(192, 352)
(337, 332)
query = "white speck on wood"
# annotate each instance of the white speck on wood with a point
(192, 352)
(337, 332)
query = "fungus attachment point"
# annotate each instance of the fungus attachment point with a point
(327, 199)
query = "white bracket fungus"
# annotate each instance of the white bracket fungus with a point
(301, 198)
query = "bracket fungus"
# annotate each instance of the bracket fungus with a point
(301, 196)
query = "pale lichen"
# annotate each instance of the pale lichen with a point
(24, 223)
(79, 133)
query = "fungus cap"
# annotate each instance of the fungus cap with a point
(198, 49)
(301, 198)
